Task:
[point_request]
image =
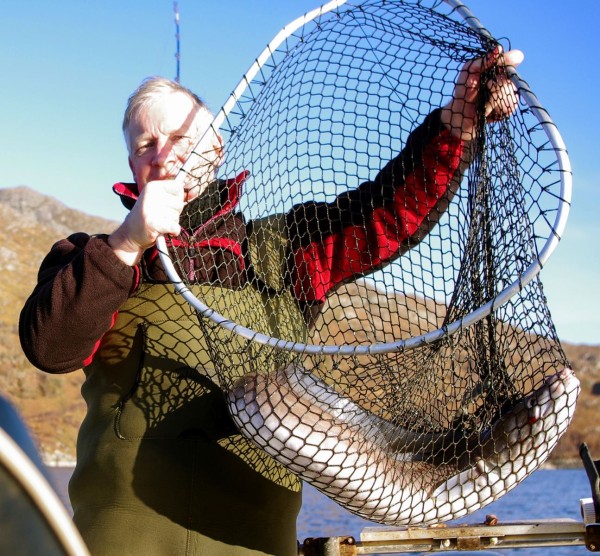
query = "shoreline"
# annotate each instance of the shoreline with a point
(54, 460)
(573, 463)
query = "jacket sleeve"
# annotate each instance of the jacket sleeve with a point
(367, 227)
(81, 285)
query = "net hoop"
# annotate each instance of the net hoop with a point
(512, 289)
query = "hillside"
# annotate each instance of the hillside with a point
(51, 405)
(29, 224)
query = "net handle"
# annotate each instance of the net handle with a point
(435, 335)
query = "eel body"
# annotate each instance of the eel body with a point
(386, 473)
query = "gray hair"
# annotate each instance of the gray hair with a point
(149, 90)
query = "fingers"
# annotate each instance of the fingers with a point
(467, 84)
(503, 98)
(498, 57)
(155, 213)
(513, 58)
(161, 204)
(460, 115)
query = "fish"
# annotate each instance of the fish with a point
(389, 474)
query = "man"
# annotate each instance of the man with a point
(160, 467)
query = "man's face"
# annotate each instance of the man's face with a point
(161, 137)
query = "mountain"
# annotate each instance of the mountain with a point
(51, 405)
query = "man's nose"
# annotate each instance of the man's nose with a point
(164, 153)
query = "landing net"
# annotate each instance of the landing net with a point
(376, 319)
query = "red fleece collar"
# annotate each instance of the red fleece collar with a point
(128, 192)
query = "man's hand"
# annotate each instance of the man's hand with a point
(460, 114)
(155, 213)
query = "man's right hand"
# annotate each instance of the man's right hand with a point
(155, 213)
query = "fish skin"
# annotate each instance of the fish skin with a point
(341, 449)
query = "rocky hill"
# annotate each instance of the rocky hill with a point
(51, 405)
(29, 224)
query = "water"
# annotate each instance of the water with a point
(546, 494)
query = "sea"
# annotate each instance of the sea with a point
(545, 494)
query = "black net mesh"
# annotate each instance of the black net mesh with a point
(360, 222)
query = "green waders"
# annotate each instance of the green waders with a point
(161, 468)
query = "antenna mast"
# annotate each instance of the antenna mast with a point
(177, 52)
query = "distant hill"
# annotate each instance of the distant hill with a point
(51, 405)
(29, 225)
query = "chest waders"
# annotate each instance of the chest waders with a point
(158, 452)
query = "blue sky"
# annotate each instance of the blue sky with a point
(69, 66)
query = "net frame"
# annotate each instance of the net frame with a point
(501, 298)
